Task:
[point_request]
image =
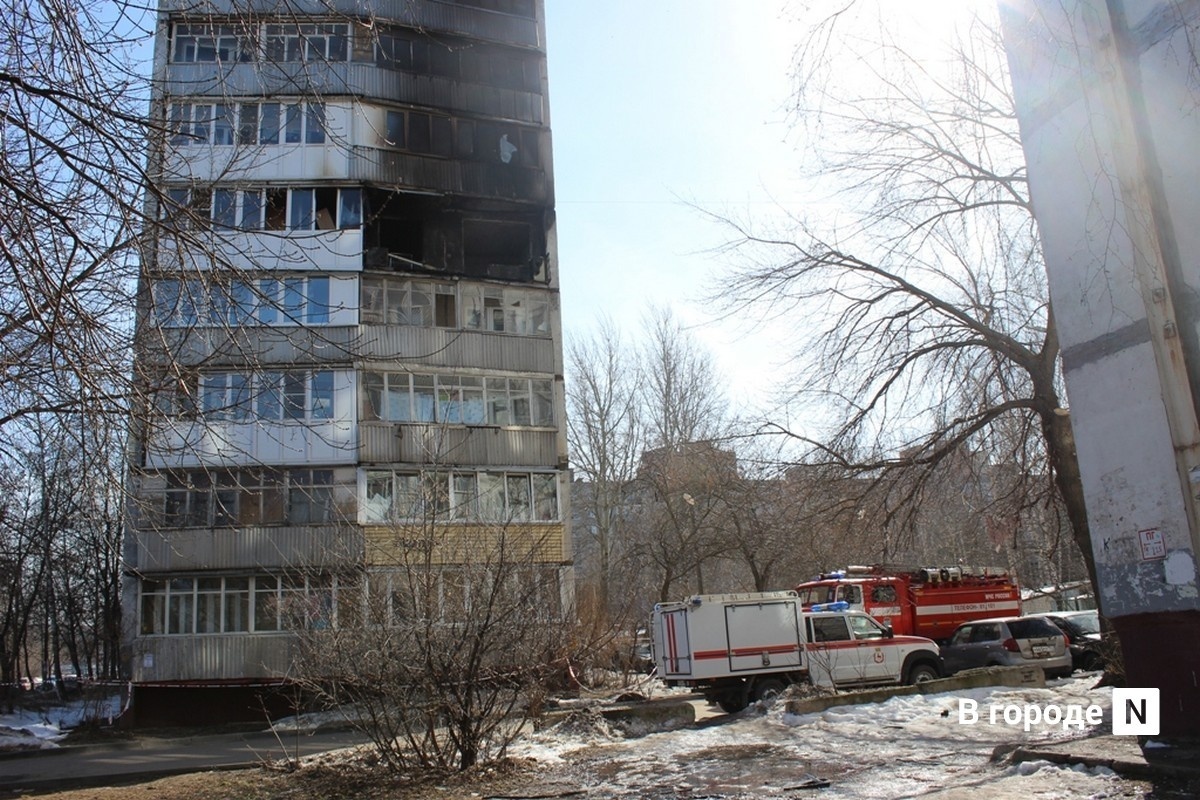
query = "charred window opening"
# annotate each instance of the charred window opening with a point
(276, 209)
(395, 232)
(505, 144)
(445, 309)
(497, 249)
(408, 51)
(327, 203)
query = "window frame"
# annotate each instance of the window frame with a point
(241, 604)
(293, 496)
(460, 496)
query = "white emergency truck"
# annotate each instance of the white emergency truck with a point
(735, 648)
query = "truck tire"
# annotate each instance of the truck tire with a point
(922, 672)
(733, 702)
(768, 689)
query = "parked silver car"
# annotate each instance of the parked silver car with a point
(1008, 641)
(1090, 647)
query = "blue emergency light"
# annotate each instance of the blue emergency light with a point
(840, 605)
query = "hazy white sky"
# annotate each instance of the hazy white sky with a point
(654, 105)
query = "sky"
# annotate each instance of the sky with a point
(661, 108)
(655, 107)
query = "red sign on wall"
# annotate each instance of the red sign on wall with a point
(1153, 545)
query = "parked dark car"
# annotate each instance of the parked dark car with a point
(1087, 643)
(1008, 641)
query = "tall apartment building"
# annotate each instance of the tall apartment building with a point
(349, 324)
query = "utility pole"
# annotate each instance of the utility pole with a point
(1109, 109)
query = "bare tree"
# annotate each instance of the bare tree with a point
(682, 398)
(604, 423)
(74, 103)
(71, 156)
(779, 522)
(442, 655)
(682, 528)
(927, 327)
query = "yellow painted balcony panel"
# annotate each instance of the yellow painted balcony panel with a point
(463, 543)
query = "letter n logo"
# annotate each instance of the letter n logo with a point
(1135, 712)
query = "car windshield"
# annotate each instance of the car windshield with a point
(1087, 623)
(1032, 628)
(817, 594)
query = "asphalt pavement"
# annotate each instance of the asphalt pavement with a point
(145, 758)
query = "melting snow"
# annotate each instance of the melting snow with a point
(904, 747)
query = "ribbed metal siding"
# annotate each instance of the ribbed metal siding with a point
(363, 80)
(383, 345)
(265, 347)
(248, 547)
(391, 443)
(392, 344)
(212, 657)
(429, 14)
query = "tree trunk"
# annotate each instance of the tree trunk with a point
(1060, 445)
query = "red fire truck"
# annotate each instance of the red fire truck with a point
(918, 601)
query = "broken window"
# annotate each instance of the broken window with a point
(420, 137)
(482, 308)
(395, 129)
(506, 310)
(457, 399)
(327, 201)
(465, 495)
(276, 214)
(489, 244)
(445, 314)
(408, 302)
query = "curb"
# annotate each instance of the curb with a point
(664, 711)
(1127, 758)
(1132, 769)
(968, 679)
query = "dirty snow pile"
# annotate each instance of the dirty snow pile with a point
(40, 725)
(906, 746)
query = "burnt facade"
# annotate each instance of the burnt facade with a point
(349, 321)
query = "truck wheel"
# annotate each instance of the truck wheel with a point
(768, 689)
(733, 702)
(920, 673)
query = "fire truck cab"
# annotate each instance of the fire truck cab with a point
(919, 601)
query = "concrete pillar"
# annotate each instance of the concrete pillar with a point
(1109, 110)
